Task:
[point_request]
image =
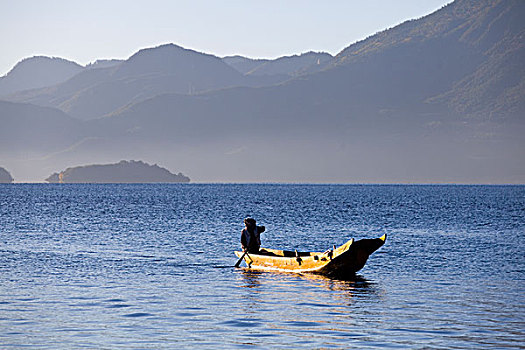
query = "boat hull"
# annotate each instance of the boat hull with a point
(342, 261)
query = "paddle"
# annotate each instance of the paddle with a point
(240, 259)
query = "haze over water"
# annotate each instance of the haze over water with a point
(149, 266)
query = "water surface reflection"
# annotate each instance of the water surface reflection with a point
(305, 307)
(356, 285)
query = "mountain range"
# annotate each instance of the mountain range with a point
(436, 99)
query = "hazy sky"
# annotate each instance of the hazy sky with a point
(84, 31)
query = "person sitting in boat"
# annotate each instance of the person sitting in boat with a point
(251, 236)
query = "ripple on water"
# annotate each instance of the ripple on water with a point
(137, 314)
(118, 306)
(239, 323)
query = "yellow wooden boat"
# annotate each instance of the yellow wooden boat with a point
(343, 261)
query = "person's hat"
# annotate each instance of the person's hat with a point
(249, 221)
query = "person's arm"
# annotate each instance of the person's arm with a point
(260, 229)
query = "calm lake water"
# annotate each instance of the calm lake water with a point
(150, 266)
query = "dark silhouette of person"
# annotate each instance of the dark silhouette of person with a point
(251, 236)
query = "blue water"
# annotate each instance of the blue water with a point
(150, 266)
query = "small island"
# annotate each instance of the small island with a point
(123, 172)
(5, 177)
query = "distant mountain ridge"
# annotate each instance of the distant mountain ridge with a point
(37, 72)
(437, 99)
(488, 38)
(244, 64)
(103, 63)
(288, 65)
(163, 69)
(108, 85)
(26, 127)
